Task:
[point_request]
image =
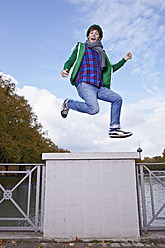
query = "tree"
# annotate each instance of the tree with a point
(22, 139)
(156, 160)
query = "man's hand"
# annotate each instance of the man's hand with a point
(128, 56)
(65, 73)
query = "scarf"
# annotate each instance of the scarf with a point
(98, 47)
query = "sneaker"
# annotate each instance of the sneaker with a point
(64, 109)
(118, 133)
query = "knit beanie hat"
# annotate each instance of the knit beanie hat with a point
(94, 26)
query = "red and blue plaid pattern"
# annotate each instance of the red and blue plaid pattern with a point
(90, 70)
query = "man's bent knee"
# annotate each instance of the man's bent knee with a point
(93, 110)
(119, 99)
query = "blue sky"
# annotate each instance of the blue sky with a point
(37, 38)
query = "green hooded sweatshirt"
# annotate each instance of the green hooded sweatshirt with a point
(75, 61)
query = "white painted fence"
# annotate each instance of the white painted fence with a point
(91, 196)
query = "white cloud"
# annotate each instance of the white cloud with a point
(150, 103)
(81, 132)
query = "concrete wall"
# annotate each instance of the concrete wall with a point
(91, 196)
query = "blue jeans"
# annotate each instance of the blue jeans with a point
(90, 94)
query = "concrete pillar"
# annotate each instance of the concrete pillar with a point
(91, 196)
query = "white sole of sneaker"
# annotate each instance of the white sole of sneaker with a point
(120, 136)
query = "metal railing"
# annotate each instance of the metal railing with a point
(150, 189)
(30, 215)
(151, 197)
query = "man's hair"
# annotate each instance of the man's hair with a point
(94, 27)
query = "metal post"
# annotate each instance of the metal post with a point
(42, 197)
(29, 192)
(138, 198)
(37, 198)
(143, 199)
(152, 197)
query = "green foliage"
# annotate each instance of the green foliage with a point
(21, 137)
(156, 159)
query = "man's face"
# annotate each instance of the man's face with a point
(94, 36)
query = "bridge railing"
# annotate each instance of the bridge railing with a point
(22, 197)
(151, 196)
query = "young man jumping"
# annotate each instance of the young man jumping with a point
(92, 74)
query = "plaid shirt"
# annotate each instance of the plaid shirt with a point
(90, 70)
